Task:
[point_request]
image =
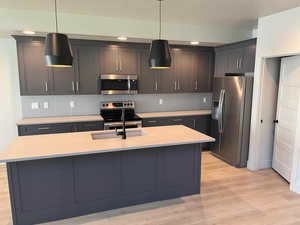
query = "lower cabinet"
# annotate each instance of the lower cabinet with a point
(56, 128)
(198, 123)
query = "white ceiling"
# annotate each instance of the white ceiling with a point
(225, 13)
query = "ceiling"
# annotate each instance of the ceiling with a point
(225, 13)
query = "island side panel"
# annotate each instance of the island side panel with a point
(51, 189)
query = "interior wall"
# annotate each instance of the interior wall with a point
(10, 109)
(18, 20)
(277, 35)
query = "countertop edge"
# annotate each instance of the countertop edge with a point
(22, 123)
(106, 151)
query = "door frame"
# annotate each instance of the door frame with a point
(260, 158)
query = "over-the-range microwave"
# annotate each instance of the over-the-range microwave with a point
(116, 84)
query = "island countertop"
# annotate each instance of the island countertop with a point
(71, 144)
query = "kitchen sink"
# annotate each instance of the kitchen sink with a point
(112, 134)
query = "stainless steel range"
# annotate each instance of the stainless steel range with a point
(112, 113)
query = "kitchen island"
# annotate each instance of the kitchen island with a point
(58, 176)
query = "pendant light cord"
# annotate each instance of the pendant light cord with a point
(56, 24)
(159, 19)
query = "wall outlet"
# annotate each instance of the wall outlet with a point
(161, 101)
(204, 100)
(72, 104)
(35, 105)
(46, 105)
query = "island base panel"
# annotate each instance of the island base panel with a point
(52, 189)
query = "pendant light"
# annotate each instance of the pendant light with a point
(58, 51)
(160, 57)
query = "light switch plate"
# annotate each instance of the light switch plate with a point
(204, 100)
(35, 105)
(161, 101)
(72, 104)
(46, 105)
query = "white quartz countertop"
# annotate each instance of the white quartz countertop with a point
(73, 144)
(62, 119)
(175, 113)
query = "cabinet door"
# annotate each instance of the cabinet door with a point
(235, 57)
(128, 61)
(88, 70)
(248, 62)
(221, 63)
(63, 80)
(109, 60)
(34, 75)
(184, 64)
(147, 82)
(166, 77)
(203, 72)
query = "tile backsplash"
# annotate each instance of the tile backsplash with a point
(90, 104)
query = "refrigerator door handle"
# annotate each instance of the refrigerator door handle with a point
(221, 111)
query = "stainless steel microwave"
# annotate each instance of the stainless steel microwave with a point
(115, 84)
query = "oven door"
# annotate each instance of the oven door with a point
(114, 84)
(119, 125)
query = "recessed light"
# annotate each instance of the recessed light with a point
(122, 38)
(194, 42)
(28, 32)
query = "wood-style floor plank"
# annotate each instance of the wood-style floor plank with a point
(229, 196)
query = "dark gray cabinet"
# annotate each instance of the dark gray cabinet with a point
(201, 123)
(119, 60)
(203, 71)
(235, 58)
(88, 70)
(148, 78)
(34, 75)
(55, 128)
(190, 71)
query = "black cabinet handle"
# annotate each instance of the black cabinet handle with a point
(275, 121)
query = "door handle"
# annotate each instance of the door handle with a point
(175, 85)
(156, 88)
(46, 86)
(77, 86)
(196, 85)
(177, 120)
(178, 85)
(73, 86)
(221, 111)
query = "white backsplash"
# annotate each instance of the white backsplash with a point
(90, 104)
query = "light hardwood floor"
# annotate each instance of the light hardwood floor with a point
(229, 196)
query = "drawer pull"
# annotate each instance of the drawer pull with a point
(152, 121)
(176, 120)
(43, 128)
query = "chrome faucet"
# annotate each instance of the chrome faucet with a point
(123, 132)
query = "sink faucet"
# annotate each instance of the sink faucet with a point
(123, 132)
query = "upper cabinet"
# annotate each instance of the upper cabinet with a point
(235, 58)
(119, 60)
(191, 70)
(34, 75)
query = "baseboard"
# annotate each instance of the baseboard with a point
(263, 164)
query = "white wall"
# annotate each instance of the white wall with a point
(18, 20)
(9, 91)
(278, 35)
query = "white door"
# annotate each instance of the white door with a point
(287, 107)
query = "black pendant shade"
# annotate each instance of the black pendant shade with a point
(58, 51)
(160, 57)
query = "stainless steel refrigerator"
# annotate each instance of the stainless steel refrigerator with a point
(232, 100)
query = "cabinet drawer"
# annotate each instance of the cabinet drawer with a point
(90, 126)
(46, 129)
